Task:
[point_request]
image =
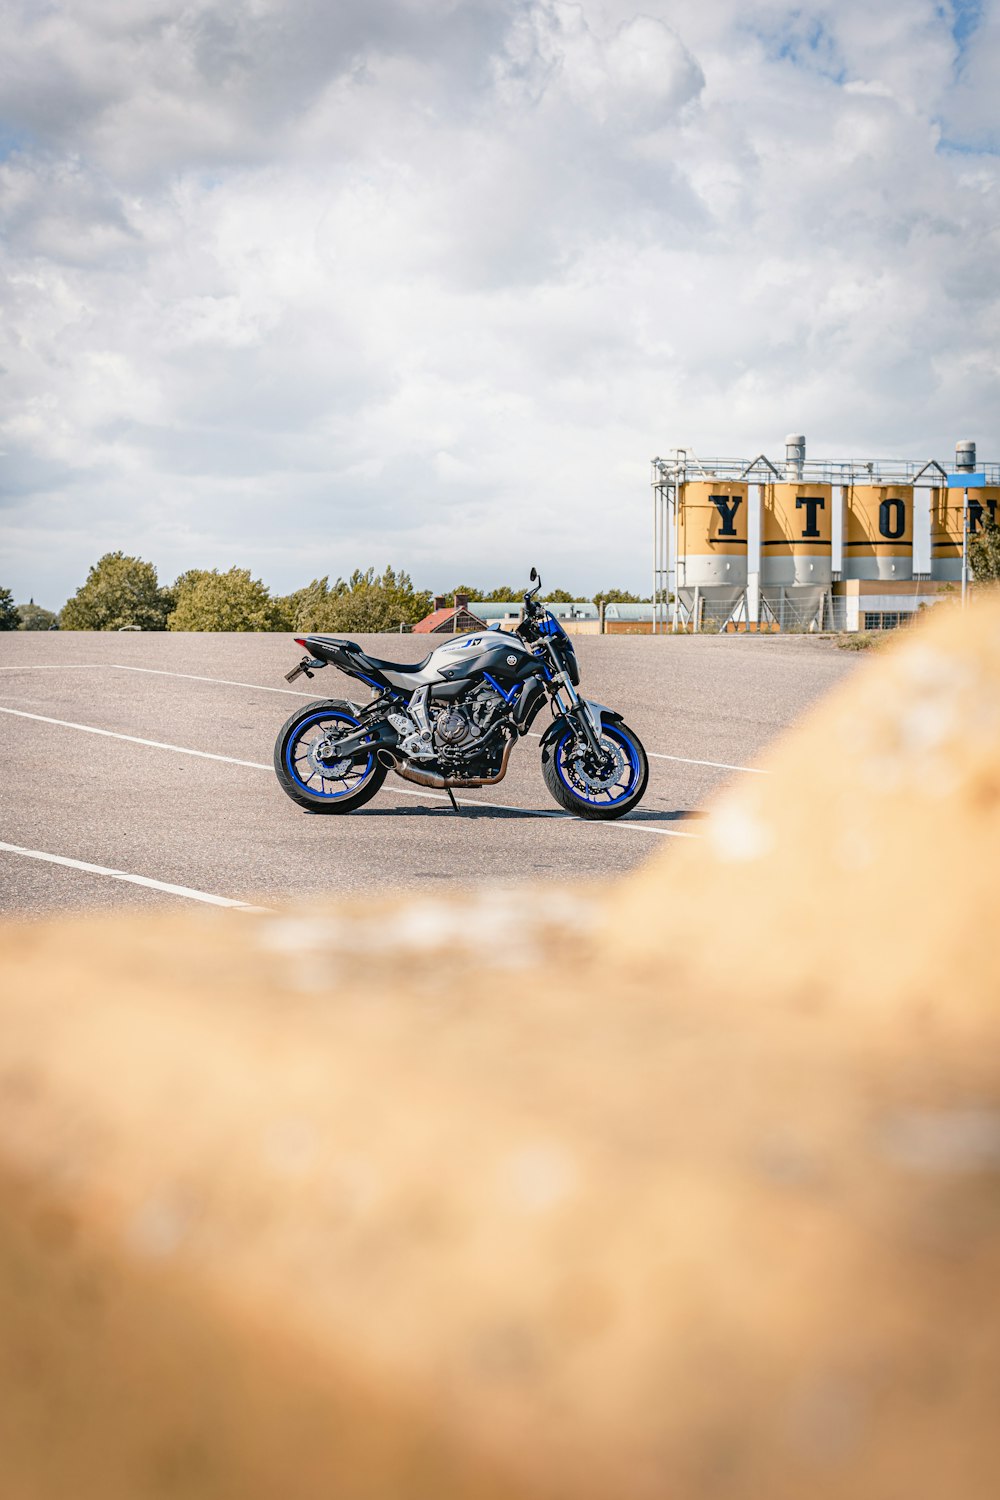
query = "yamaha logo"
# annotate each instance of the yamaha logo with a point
(512, 661)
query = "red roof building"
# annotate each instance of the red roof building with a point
(455, 619)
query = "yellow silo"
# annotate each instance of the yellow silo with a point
(711, 546)
(796, 534)
(946, 526)
(878, 531)
(712, 534)
(796, 550)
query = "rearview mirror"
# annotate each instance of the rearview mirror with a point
(533, 575)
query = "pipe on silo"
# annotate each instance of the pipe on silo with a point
(795, 455)
(965, 456)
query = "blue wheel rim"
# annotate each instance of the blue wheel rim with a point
(296, 758)
(614, 795)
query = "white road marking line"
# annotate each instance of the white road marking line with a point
(718, 765)
(110, 734)
(153, 885)
(256, 765)
(223, 681)
(114, 666)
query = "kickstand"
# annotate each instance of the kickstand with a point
(454, 804)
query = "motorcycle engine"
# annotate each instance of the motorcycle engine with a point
(458, 726)
(452, 727)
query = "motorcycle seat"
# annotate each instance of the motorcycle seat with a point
(337, 644)
(406, 668)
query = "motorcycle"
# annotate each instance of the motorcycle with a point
(452, 720)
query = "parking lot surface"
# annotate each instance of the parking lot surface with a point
(136, 769)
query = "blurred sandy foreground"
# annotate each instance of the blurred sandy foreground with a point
(687, 1187)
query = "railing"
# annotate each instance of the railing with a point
(685, 465)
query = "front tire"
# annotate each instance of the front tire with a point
(597, 791)
(312, 779)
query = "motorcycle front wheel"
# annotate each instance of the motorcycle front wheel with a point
(306, 764)
(596, 788)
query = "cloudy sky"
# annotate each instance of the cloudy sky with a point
(309, 284)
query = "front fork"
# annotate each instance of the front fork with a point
(578, 711)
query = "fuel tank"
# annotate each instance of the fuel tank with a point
(461, 659)
(502, 655)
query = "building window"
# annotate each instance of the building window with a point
(876, 619)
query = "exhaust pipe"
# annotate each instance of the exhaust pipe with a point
(442, 783)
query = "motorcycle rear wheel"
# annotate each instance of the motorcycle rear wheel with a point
(566, 779)
(300, 770)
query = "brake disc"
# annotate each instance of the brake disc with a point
(319, 759)
(614, 764)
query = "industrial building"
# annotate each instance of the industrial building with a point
(579, 617)
(805, 544)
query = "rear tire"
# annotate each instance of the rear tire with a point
(299, 769)
(568, 788)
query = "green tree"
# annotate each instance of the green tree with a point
(9, 617)
(119, 591)
(187, 580)
(984, 553)
(559, 596)
(471, 589)
(617, 596)
(306, 608)
(33, 617)
(372, 602)
(224, 601)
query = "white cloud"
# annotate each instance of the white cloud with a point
(303, 287)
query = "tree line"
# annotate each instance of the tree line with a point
(122, 592)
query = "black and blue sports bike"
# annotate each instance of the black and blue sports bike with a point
(452, 721)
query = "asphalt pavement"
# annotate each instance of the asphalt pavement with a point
(149, 757)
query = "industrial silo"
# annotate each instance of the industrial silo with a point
(946, 525)
(711, 548)
(796, 545)
(878, 531)
(947, 513)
